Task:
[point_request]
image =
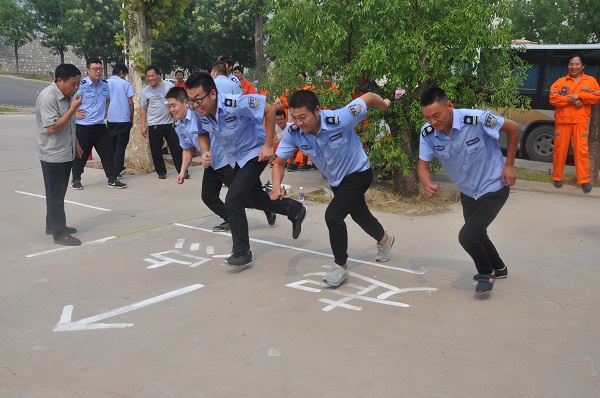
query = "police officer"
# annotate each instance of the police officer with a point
(224, 84)
(236, 123)
(328, 138)
(120, 113)
(466, 143)
(91, 130)
(229, 72)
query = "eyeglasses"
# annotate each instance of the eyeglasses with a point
(97, 69)
(198, 100)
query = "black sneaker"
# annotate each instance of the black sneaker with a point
(240, 260)
(587, 187)
(116, 184)
(76, 184)
(485, 283)
(297, 223)
(223, 227)
(306, 166)
(557, 184)
(165, 151)
(271, 217)
(162, 176)
(292, 167)
(498, 274)
(68, 240)
(69, 230)
(187, 175)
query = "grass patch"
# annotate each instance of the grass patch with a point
(10, 109)
(32, 76)
(380, 198)
(546, 176)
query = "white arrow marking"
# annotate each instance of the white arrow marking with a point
(66, 325)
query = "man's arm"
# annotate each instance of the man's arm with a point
(106, 112)
(62, 121)
(277, 173)
(186, 160)
(375, 101)
(267, 150)
(426, 179)
(204, 144)
(511, 129)
(131, 109)
(143, 114)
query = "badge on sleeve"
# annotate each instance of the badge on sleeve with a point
(427, 130)
(490, 120)
(355, 109)
(470, 120)
(230, 102)
(253, 103)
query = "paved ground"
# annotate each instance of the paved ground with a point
(146, 307)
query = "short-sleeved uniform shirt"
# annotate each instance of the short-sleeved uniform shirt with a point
(120, 92)
(154, 99)
(93, 101)
(50, 105)
(226, 86)
(235, 80)
(471, 155)
(238, 130)
(336, 149)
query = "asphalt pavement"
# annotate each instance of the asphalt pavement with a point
(146, 306)
(20, 92)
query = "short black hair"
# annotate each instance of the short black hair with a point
(205, 69)
(581, 57)
(179, 71)
(280, 112)
(152, 67)
(304, 98)
(66, 71)
(228, 60)
(433, 95)
(118, 68)
(240, 68)
(201, 79)
(220, 67)
(178, 93)
(90, 61)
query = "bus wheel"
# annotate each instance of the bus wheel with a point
(540, 143)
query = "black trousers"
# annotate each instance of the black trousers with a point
(246, 189)
(155, 137)
(473, 237)
(349, 198)
(95, 136)
(212, 182)
(56, 181)
(119, 134)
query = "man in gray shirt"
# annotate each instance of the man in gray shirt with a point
(57, 146)
(157, 122)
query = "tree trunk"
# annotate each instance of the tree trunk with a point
(139, 49)
(61, 52)
(594, 142)
(17, 57)
(258, 42)
(404, 184)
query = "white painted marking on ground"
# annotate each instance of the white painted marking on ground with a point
(210, 250)
(266, 242)
(221, 255)
(179, 243)
(195, 247)
(66, 201)
(165, 259)
(72, 247)
(66, 325)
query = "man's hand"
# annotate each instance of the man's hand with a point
(430, 190)
(265, 153)
(206, 159)
(145, 131)
(181, 177)
(508, 176)
(277, 192)
(76, 103)
(80, 114)
(78, 150)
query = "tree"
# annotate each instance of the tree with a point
(16, 26)
(378, 45)
(144, 19)
(53, 21)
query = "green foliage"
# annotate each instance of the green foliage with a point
(16, 24)
(557, 21)
(377, 45)
(52, 18)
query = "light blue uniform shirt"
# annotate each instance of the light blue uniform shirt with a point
(336, 150)
(187, 130)
(93, 102)
(226, 86)
(239, 131)
(235, 80)
(471, 155)
(120, 92)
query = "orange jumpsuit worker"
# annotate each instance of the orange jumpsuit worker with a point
(573, 96)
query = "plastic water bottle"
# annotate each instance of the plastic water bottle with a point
(301, 194)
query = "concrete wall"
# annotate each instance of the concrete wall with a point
(33, 58)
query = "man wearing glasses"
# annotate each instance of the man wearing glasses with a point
(236, 123)
(91, 129)
(157, 122)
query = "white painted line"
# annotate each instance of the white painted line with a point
(179, 243)
(71, 247)
(66, 201)
(210, 250)
(266, 242)
(195, 247)
(66, 325)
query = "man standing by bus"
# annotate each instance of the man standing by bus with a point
(573, 96)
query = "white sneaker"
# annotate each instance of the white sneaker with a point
(336, 276)
(383, 252)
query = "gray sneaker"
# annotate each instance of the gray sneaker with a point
(383, 252)
(336, 276)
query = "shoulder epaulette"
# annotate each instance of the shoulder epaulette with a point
(82, 82)
(230, 102)
(104, 80)
(293, 127)
(427, 130)
(332, 120)
(470, 120)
